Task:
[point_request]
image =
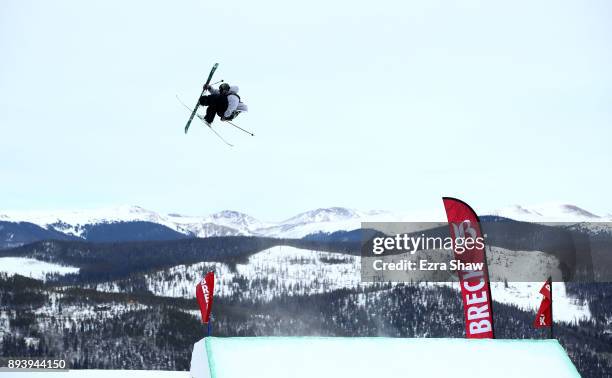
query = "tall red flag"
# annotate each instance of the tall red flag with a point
(475, 288)
(204, 295)
(544, 316)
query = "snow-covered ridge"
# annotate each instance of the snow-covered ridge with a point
(327, 220)
(223, 223)
(73, 222)
(551, 212)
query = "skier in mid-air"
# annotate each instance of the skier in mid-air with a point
(223, 102)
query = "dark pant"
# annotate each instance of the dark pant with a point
(210, 113)
(215, 105)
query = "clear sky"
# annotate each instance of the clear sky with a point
(371, 105)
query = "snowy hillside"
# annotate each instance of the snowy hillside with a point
(280, 270)
(33, 268)
(291, 271)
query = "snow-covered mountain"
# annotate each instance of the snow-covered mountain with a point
(223, 223)
(319, 220)
(75, 222)
(551, 212)
(322, 220)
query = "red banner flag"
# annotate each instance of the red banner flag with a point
(204, 295)
(544, 315)
(468, 245)
(546, 289)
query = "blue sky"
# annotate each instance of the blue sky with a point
(385, 105)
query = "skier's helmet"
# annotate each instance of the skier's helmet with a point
(224, 88)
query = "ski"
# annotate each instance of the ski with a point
(193, 113)
(201, 118)
(214, 131)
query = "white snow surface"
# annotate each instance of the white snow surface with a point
(332, 357)
(32, 268)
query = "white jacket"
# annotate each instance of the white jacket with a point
(233, 101)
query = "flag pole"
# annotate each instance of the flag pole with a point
(552, 319)
(208, 347)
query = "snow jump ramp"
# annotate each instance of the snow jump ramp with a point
(356, 357)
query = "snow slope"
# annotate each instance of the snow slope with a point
(32, 268)
(331, 357)
(280, 269)
(271, 357)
